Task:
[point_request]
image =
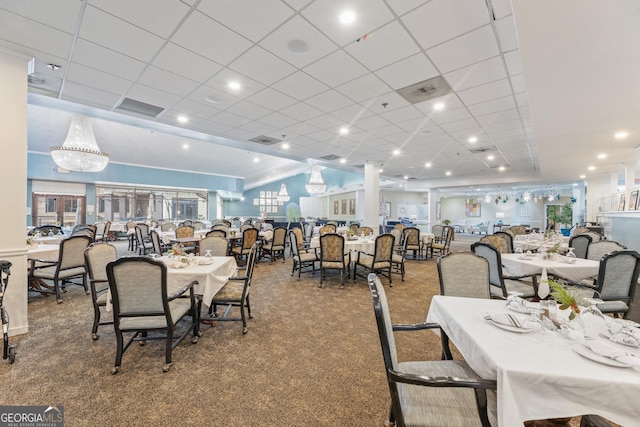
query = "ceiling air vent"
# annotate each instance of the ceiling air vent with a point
(329, 157)
(486, 149)
(133, 106)
(426, 90)
(264, 140)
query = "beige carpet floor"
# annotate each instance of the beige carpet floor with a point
(311, 358)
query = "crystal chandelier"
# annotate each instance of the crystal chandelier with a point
(80, 151)
(283, 195)
(316, 185)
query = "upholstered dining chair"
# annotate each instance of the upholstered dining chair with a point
(398, 259)
(414, 244)
(97, 256)
(367, 231)
(436, 230)
(501, 286)
(333, 256)
(617, 280)
(444, 245)
(217, 232)
(464, 274)
(102, 231)
(235, 293)
(580, 244)
(156, 243)
(380, 261)
(276, 246)
(354, 228)
(518, 230)
(144, 245)
(303, 257)
(185, 231)
(497, 242)
(508, 237)
(430, 393)
(167, 226)
(599, 249)
(327, 228)
(142, 305)
(249, 237)
(218, 245)
(595, 237)
(70, 265)
(199, 225)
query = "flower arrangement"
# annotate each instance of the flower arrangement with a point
(30, 241)
(565, 298)
(177, 250)
(555, 249)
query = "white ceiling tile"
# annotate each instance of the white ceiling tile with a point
(404, 73)
(261, 66)
(248, 86)
(418, 126)
(491, 128)
(525, 111)
(528, 122)
(60, 15)
(240, 134)
(449, 115)
(194, 109)
(300, 86)
(387, 130)
(459, 125)
(113, 33)
(336, 69)
(223, 99)
(34, 35)
(301, 111)
(506, 133)
(480, 73)
(220, 45)
(278, 120)
(272, 99)
(522, 99)
(298, 29)
(328, 101)
(253, 19)
(485, 92)
(326, 121)
(392, 100)
(506, 30)
(300, 128)
(98, 57)
(167, 14)
(514, 62)
(89, 95)
(384, 47)
(441, 20)
(230, 119)
(258, 128)
(501, 8)
(519, 84)
(351, 113)
(470, 48)
(152, 96)
(89, 77)
(400, 7)
(493, 106)
(408, 112)
(322, 135)
(167, 81)
(185, 63)
(502, 116)
(213, 127)
(362, 88)
(248, 109)
(298, 4)
(370, 15)
(370, 123)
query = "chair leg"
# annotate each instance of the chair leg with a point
(167, 365)
(244, 319)
(56, 285)
(96, 322)
(119, 350)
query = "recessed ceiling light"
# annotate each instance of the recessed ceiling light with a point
(583, 176)
(621, 134)
(212, 99)
(602, 156)
(472, 140)
(491, 157)
(242, 198)
(343, 160)
(427, 165)
(256, 160)
(448, 173)
(438, 106)
(285, 145)
(396, 152)
(344, 130)
(185, 146)
(298, 47)
(347, 17)
(501, 168)
(234, 85)
(406, 177)
(591, 168)
(380, 170)
(183, 119)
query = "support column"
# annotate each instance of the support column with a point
(434, 205)
(13, 185)
(629, 180)
(371, 196)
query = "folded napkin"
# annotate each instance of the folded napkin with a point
(506, 319)
(607, 350)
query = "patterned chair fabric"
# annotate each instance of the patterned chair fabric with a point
(464, 274)
(380, 261)
(218, 246)
(414, 244)
(617, 280)
(144, 245)
(497, 242)
(430, 393)
(327, 228)
(508, 237)
(437, 230)
(518, 230)
(249, 237)
(156, 243)
(367, 231)
(199, 225)
(500, 287)
(275, 247)
(302, 257)
(354, 228)
(398, 258)
(217, 232)
(580, 244)
(333, 256)
(97, 256)
(142, 304)
(167, 226)
(443, 246)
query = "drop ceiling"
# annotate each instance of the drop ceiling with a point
(544, 83)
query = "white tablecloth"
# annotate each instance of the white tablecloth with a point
(44, 252)
(365, 245)
(528, 242)
(49, 240)
(426, 237)
(167, 236)
(539, 376)
(514, 265)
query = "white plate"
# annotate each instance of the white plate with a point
(511, 328)
(588, 354)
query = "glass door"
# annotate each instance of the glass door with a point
(57, 209)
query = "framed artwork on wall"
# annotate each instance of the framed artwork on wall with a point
(633, 202)
(336, 207)
(352, 206)
(437, 211)
(621, 202)
(473, 208)
(344, 206)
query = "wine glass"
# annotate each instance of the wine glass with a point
(571, 256)
(624, 334)
(516, 302)
(534, 321)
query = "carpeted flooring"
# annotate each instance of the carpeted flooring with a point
(311, 358)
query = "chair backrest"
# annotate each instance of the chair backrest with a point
(96, 257)
(131, 225)
(595, 237)
(168, 226)
(299, 237)
(618, 275)
(227, 223)
(436, 230)
(72, 252)
(580, 230)
(367, 231)
(327, 228)
(580, 245)
(249, 237)
(107, 228)
(88, 232)
(508, 237)
(279, 236)
(187, 222)
(599, 249)
(199, 225)
(397, 234)
(493, 257)
(383, 252)
(294, 241)
(218, 245)
(411, 235)
(153, 224)
(353, 228)
(331, 248)
(399, 226)
(497, 242)
(464, 274)
(518, 230)
(139, 236)
(308, 229)
(155, 240)
(245, 227)
(185, 231)
(217, 232)
(100, 228)
(144, 228)
(138, 288)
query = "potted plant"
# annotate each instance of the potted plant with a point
(446, 222)
(564, 217)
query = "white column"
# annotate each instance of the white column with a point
(13, 185)
(629, 179)
(434, 204)
(371, 195)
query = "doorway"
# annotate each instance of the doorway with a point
(58, 209)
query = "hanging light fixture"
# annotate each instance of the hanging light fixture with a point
(283, 195)
(80, 151)
(316, 185)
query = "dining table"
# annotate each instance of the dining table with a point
(533, 242)
(41, 252)
(574, 270)
(540, 374)
(364, 244)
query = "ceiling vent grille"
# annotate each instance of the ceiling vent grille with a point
(139, 107)
(264, 140)
(426, 90)
(329, 157)
(486, 149)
